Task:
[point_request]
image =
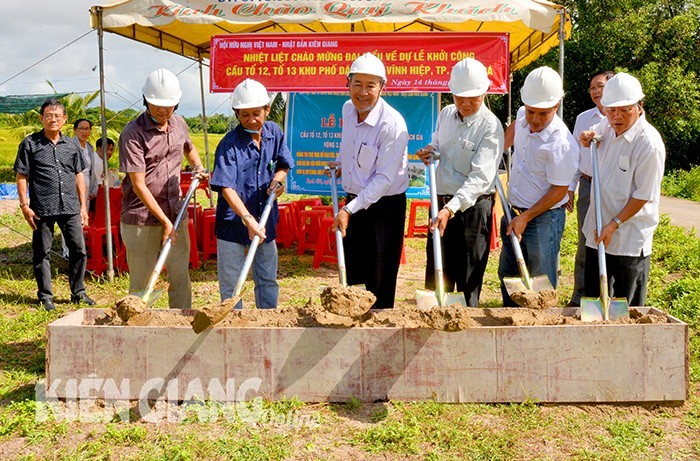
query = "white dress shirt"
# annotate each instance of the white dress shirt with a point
(585, 121)
(470, 149)
(630, 166)
(373, 154)
(89, 177)
(541, 160)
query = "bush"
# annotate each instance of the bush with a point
(682, 184)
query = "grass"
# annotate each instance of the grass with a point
(391, 430)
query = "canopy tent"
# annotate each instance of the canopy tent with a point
(185, 26)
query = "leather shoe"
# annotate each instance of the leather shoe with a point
(82, 298)
(47, 304)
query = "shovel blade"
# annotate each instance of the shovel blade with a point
(455, 298)
(514, 284)
(152, 298)
(425, 300)
(592, 310)
(541, 283)
(618, 309)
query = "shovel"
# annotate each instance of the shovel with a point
(524, 283)
(427, 299)
(149, 295)
(603, 308)
(206, 318)
(342, 274)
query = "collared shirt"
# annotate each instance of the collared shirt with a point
(241, 166)
(585, 121)
(89, 173)
(541, 160)
(50, 169)
(469, 151)
(373, 154)
(630, 166)
(144, 148)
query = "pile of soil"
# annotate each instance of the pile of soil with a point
(313, 314)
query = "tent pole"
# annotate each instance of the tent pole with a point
(204, 125)
(562, 37)
(103, 123)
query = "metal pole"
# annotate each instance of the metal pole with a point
(105, 166)
(562, 37)
(204, 126)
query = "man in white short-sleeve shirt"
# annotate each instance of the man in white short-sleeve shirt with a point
(545, 160)
(585, 121)
(631, 158)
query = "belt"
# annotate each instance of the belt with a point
(518, 211)
(586, 177)
(444, 199)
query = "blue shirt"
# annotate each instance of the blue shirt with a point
(241, 166)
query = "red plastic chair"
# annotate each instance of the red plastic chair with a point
(414, 228)
(326, 251)
(302, 204)
(95, 233)
(309, 227)
(286, 229)
(495, 242)
(208, 231)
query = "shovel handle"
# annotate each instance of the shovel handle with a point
(342, 273)
(255, 243)
(524, 273)
(602, 267)
(437, 243)
(169, 242)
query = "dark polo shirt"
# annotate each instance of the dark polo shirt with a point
(50, 169)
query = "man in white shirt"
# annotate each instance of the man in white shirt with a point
(585, 121)
(631, 159)
(469, 138)
(373, 165)
(545, 160)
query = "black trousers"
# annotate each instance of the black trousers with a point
(42, 238)
(373, 243)
(627, 276)
(465, 249)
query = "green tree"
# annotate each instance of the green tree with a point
(658, 41)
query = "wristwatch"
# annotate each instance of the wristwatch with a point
(617, 221)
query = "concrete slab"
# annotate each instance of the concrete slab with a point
(572, 363)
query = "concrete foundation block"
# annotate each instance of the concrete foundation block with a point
(560, 364)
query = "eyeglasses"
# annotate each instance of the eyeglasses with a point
(53, 116)
(83, 129)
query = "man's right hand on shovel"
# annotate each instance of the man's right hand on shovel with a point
(253, 227)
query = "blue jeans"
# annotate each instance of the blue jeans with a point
(230, 257)
(540, 244)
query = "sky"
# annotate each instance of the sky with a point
(32, 31)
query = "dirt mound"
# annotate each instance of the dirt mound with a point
(347, 301)
(536, 299)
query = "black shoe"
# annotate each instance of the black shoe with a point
(82, 298)
(47, 304)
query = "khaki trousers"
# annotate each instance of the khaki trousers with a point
(143, 245)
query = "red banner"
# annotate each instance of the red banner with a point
(415, 62)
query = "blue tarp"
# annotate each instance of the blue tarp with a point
(8, 191)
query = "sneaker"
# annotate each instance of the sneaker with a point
(82, 298)
(47, 304)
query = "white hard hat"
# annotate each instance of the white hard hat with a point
(368, 64)
(469, 78)
(622, 90)
(250, 93)
(542, 89)
(162, 88)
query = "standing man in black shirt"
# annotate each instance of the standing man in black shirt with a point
(51, 165)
